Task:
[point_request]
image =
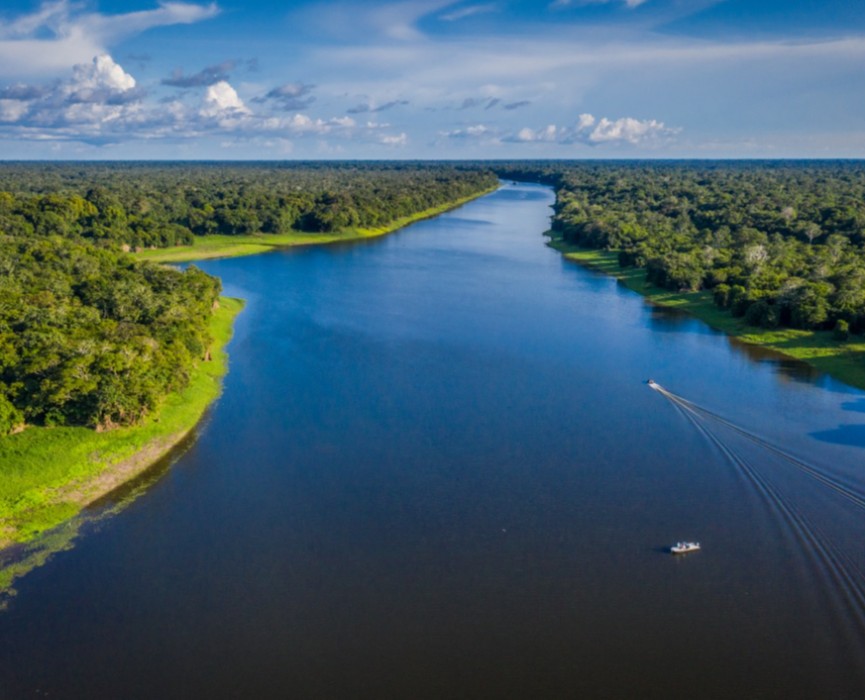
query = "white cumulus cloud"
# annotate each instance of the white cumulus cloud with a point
(222, 100)
(591, 131)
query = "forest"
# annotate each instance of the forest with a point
(142, 205)
(88, 335)
(779, 243)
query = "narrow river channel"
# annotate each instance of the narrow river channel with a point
(437, 472)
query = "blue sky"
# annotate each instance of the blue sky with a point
(432, 79)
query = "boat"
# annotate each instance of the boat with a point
(684, 547)
(652, 383)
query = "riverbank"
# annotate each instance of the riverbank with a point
(220, 246)
(843, 360)
(51, 474)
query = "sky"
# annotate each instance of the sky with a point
(432, 79)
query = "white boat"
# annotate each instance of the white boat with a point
(684, 547)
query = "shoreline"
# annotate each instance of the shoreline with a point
(87, 466)
(225, 246)
(841, 360)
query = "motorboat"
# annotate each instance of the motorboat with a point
(684, 547)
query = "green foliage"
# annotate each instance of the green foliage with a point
(778, 243)
(91, 337)
(156, 206)
(49, 474)
(842, 330)
(10, 416)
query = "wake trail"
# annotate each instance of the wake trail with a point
(843, 490)
(848, 578)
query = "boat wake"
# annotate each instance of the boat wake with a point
(830, 481)
(845, 578)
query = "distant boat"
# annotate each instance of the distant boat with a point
(652, 383)
(684, 547)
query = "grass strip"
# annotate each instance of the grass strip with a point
(220, 246)
(48, 475)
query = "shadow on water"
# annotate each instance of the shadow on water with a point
(852, 435)
(465, 221)
(857, 406)
(664, 319)
(19, 560)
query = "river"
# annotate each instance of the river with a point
(436, 471)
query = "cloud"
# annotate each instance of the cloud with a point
(478, 131)
(99, 96)
(102, 104)
(373, 21)
(366, 107)
(23, 92)
(485, 102)
(206, 76)
(290, 97)
(61, 34)
(221, 101)
(395, 140)
(593, 132)
(469, 11)
(629, 130)
(488, 103)
(569, 3)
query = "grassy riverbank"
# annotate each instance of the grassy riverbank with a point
(206, 247)
(844, 360)
(50, 474)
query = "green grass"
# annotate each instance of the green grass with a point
(844, 360)
(206, 247)
(47, 474)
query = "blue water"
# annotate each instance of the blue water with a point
(436, 471)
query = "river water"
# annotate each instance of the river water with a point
(436, 471)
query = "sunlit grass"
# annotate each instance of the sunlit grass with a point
(45, 472)
(206, 247)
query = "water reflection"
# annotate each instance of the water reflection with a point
(665, 319)
(19, 560)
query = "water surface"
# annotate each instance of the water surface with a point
(436, 471)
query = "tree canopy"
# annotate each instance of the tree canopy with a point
(89, 336)
(780, 243)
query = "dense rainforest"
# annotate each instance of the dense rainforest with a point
(159, 205)
(779, 243)
(89, 336)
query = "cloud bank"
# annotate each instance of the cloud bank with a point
(61, 34)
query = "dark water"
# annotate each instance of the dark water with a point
(436, 472)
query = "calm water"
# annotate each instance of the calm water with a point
(436, 472)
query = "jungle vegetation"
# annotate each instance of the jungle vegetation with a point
(91, 337)
(159, 205)
(778, 243)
